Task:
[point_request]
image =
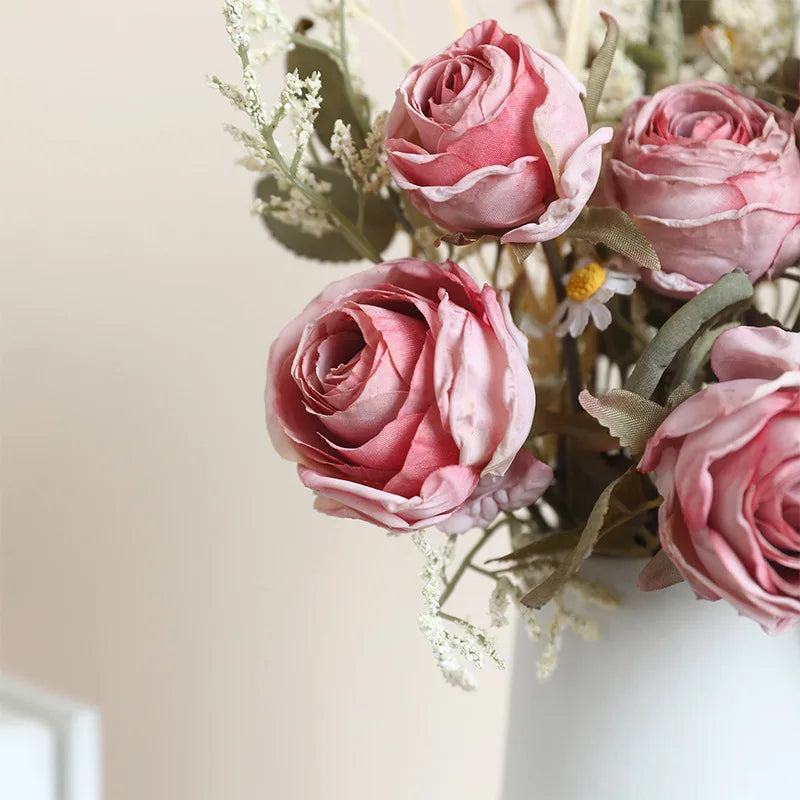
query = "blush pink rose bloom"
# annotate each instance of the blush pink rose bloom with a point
(490, 136)
(403, 393)
(712, 178)
(727, 463)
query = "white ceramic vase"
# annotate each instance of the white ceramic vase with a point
(680, 700)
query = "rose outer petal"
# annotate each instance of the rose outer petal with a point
(574, 189)
(522, 484)
(747, 352)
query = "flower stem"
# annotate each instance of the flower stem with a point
(569, 346)
(350, 232)
(464, 565)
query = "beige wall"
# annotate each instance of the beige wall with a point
(158, 559)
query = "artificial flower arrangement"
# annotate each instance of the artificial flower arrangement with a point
(572, 356)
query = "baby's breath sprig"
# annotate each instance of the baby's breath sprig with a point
(459, 644)
(306, 203)
(366, 166)
(455, 642)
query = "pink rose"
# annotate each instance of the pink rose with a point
(403, 393)
(489, 136)
(727, 463)
(712, 178)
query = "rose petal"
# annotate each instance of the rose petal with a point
(522, 484)
(747, 352)
(574, 188)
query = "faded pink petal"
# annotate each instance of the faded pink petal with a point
(755, 353)
(573, 190)
(712, 178)
(397, 389)
(727, 463)
(490, 136)
(522, 484)
(493, 197)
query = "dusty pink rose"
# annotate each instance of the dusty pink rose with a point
(712, 178)
(727, 462)
(489, 136)
(403, 394)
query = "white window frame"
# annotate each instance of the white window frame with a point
(76, 733)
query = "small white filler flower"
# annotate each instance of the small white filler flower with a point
(589, 286)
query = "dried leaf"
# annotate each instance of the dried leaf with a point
(632, 540)
(617, 231)
(626, 497)
(522, 251)
(590, 434)
(627, 416)
(601, 66)
(683, 391)
(554, 542)
(659, 573)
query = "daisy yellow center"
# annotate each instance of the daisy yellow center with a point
(584, 282)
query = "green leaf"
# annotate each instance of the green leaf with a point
(601, 66)
(683, 325)
(621, 501)
(627, 416)
(617, 231)
(306, 58)
(698, 352)
(680, 394)
(647, 58)
(379, 221)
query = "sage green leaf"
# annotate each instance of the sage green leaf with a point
(601, 66)
(647, 58)
(617, 231)
(305, 58)
(620, 502)
(379, 221)
(683, 325)
(628, 417)
(682, 392)
(699, 352)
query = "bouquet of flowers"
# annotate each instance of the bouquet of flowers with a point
(591, 346)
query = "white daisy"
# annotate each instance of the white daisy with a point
(589, 287)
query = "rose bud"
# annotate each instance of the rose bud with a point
(403, 393)
(712, 178)
(490, 137)
(727, 463)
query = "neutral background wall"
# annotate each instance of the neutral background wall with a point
(158, 559)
